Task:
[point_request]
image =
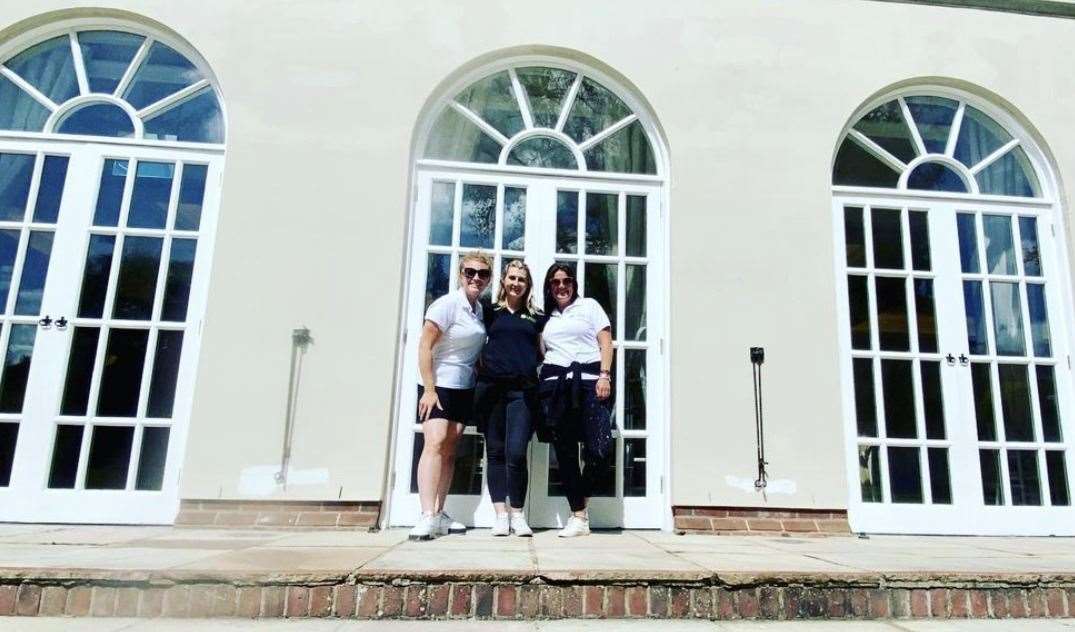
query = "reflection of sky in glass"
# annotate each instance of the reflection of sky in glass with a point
(968, 242)
(514, 218)
(20, 346)
(35, 268)
(999, 249)
(972, 304)
(1007, 318)
(9, 245)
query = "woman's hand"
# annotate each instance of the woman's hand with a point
(428, 401)
(603, 388)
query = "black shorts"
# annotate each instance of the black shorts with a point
(456, 404)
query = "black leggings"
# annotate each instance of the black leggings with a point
(579, 483)
(507, 437)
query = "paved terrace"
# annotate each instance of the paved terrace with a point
(184, 572)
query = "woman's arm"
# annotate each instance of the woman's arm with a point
(430, 334)
(604, 383)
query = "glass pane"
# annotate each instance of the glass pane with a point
(50, 190)
(634, 467)
(600, 285)
(479, 216)
(920, 255)
(121, 375)
(925, 315)
(49, 67)
(197, 119)
(854, 237)
(16, 170)
(97, 119)
(992, 483)
(454, 137)
(9, 247)
(163, 72)
(65, 452)
(91, 302)
(20, 350)
(940, 480)
(493, 99)
(1039, 320)
(545, 91)
(983, 401)
(76, 390)
(933, 116)
(514, 237)
(975, 312)
(870, 473)
(469, 464)
(634, 389)
(9, 434)
(188, 213)
(438, 274)
(110, 457)
(968, 242)
(898, 389)
(19, 110)
(1048, 404)
(1028, 235)
(932, 399)
(857, 167)
(905, 475)
(636, 226)
(602, 220)
(933, 176)
(165, 374)
(152, 458)
(441, 209)
(892, 322)
(865, 402)
(177, 286)
(35, 269)
(152, 189)
(999, 248)
(595, 108)
(137, 281)
(859, 305)
(625, 151)
(1011, 174)
(542, 151)
(635, 318)
(885, 126)
(110, 192)
(887, 239)
(979, 136)
(1023, 474)
(567, 221)
(1007, 319)
(1058, 479)
(106, 55)
(1015, 402)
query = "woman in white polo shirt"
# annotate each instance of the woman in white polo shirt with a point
(452, 338)
(576, 386)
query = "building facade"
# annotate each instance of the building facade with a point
(220, 224)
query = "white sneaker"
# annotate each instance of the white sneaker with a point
(519, 526)
(575, 527)
(500, 525)
(425, 528)
(446, 525)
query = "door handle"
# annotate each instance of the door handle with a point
(951, 359)
(963, 360)
(45, 322)
(61, 323)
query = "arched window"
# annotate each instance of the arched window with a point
(109, 83)
(543, 117)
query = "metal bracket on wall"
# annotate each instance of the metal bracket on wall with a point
(757, 358)
(300, 341)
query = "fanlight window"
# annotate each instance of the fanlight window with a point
(934, 143)
(542, 117)
(109, 83)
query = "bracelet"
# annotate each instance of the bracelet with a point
(605, 377)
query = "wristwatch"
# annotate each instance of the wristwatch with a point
(604, 374)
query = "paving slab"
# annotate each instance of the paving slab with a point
(287, 559)
(443, 560)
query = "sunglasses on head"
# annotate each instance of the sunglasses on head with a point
(483, 273)
(568, 282)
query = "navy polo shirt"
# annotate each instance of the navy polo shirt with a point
(512, 349)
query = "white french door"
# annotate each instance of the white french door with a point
(957, 378)
(609, 230)
(104, 261)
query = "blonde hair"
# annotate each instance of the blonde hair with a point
(475, 255)
(502, 295)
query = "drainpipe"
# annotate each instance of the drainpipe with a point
(300, 341)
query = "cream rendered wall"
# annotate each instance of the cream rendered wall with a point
(322, 100)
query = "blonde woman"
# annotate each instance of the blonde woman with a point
(506, 398)
(452, 338)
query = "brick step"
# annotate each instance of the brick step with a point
(527, 596)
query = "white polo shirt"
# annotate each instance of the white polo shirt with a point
(571, 335)
(461, 339)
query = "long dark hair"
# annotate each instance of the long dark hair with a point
(550, 300)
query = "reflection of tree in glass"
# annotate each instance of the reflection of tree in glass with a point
(479, 214)
(595, 108)
(545, 90)
(514, 220)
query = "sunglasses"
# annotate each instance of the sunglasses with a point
(568, 282)
(482, 274)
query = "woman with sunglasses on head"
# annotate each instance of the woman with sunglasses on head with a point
(576, 386)
(505, 398)
(452, 338)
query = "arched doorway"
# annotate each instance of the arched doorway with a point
(111, 148)
(547, 161)
(954, 304)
